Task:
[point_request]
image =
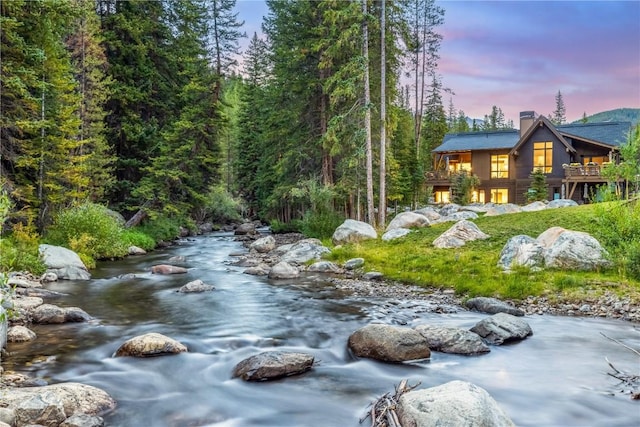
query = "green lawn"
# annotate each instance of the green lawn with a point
(472, 271)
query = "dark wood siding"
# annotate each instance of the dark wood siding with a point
(524, 159)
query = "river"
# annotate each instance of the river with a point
(557, 377)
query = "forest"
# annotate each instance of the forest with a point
(150, 105)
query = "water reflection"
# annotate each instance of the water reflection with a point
(557, 377)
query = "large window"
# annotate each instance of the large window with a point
(543, 156)
(441, 196)
(499, 166)
(459, 162)
(500, 195)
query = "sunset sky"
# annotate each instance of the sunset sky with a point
(517, 55)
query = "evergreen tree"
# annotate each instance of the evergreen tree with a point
(539, 189)
(558, 116)
(495, 120)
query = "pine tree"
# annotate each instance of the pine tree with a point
(559, 114)
(539, 189)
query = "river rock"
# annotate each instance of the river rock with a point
(195, 286)
(492, 306)
(43, 409)
(83, 420)
(135, 250)
(73, 397)
(452, 340)
(460, 233)
(351, 231)
(271, 365)
(52, 314)
(454, 404)
(168, 269)
(304, 251)
(49, 277)
(177, 259)
(374, 276)
(246, 228)
(258, 270)
(324, 267)
(283, 270)
(396, 233)
(502, 209)
(501, 328)
(148, 345)
(389, 343)
(20, 333)
(22, 282)
(264, 244)
(65, 263)
(408, 220)
(354, 263)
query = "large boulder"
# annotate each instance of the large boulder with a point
(521, 250)
(389, 343)
(452, 340)
(449, 209)
(460, 233)
(408, 220)
(283, 270)
(501, 328)
(304, 251)
(148, 345)
(457, 216)
(492, 306)
(65, 263)
(561, 203)
(396, 233)
(502, 209)
(351, 231)
(29, 404)
(429, 212)
(246, 229)
(534, 207)
(264, 244)
(271, 365)
(576, 250)
(454, 404)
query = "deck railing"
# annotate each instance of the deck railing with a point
(574, 171)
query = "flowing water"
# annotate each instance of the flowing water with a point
(557, 377)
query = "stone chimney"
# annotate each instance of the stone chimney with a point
(526, 120)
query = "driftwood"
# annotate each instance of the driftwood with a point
(628, 380)
(383, 411)
(139, 216)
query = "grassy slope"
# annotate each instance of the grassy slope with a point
(471, 270)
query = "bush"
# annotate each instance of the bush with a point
(161, 228)
(221, 207)
(462, 185)
(20, 251)
(278, 227)
(321, 225)
(90, 230)
(138, 238)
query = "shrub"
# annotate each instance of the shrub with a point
(462, 186)
(90, 230)
(161, 228)
(221, 207)
(138, 238)
(278, 227)
(539, 190)
(321, 225)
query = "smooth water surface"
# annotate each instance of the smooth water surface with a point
(557, 377)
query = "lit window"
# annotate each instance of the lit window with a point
(477, 196)
(500, 166)
(543, 156)
(499, 195)
(441, 196)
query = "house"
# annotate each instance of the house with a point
(571, 156)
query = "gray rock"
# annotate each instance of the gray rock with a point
(501, 328)
(396, 233)
(20, 333)
(408, 220)
(195, 286)
(271, 365)
(521, 250)
(283, 270)
(148, 345)
(448, 209)
(135, 250)
(373, 275)
(258, 270)
(354, 263)
(324, 267)
(458, 216)
(264, 244)
(178, 259)
(7, 416)
(49, 277)
(429, 212)
(576, 250)
(561, 203)
(454, 404)
(305, 250)
(389, 343)
(247, 228)
(534, 207)
(453, 340)
(506, 208)
(83, 420)
(52, 314)
(492, 306)
(460, 233)
(23, 283)
(65, 263)
(352, 231)
(44, 409)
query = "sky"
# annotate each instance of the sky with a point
(517, 55)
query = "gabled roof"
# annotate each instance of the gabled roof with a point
(466, 141)
(605, 133)
(542, 121)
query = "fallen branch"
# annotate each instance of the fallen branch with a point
(382, 411)
(629, 380)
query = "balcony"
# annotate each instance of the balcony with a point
(584, 173)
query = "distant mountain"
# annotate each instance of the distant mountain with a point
(618, 115)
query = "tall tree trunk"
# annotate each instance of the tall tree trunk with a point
(327, 161)
(382, 202)
(367, 115)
